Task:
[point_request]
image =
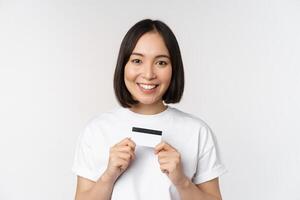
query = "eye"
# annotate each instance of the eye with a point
(136, 61)
(162, 63)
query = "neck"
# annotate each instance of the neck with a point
(148, 109)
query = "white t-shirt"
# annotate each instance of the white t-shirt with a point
(143, 179)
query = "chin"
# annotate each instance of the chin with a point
(147, 102)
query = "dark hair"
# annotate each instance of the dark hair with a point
(176, 87)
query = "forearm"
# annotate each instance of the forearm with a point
(102, 190)
(189, 191)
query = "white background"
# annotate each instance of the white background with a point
(242, 77)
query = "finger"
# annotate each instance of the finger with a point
(125, 156)
(163, 161)
(122, 164)
(164, 169)
(122, 142)
(123, 149)
(165, 154)
(159, 147)
(132, 154)
(127, 142)
(163, 146)
(172, 153)
(131, 143)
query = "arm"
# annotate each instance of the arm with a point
(120, 157)
(205, 191)
(90, 190)
(170, 163)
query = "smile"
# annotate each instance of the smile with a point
(147, 88)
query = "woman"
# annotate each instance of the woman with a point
(184, 165)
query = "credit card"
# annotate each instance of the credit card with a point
(146, 137)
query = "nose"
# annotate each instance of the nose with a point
(148, 72)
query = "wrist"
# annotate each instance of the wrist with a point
(185, 183)
(107, 178)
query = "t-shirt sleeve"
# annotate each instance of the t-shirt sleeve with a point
(85, 162)
(209, 164)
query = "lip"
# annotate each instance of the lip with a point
(148, 83)
(147, 91)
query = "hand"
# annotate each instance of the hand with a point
(170, 163)
(120, 157)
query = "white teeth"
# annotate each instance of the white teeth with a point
(147, 87)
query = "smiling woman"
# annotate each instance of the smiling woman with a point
(148, 72)
(185, 165)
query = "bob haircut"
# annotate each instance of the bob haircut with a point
(176, 87)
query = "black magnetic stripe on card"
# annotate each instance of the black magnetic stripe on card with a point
(144, 130)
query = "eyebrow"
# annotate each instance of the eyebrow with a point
(158, 56)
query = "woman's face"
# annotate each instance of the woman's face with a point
(148, 71)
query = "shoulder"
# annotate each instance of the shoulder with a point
(206, 137)
(104, 117)
(188, 118)
(194, 125)
(93, 131)
(101, 121)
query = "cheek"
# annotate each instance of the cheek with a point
(129, 74)
(166, 76)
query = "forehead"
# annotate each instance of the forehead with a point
(151, 44)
